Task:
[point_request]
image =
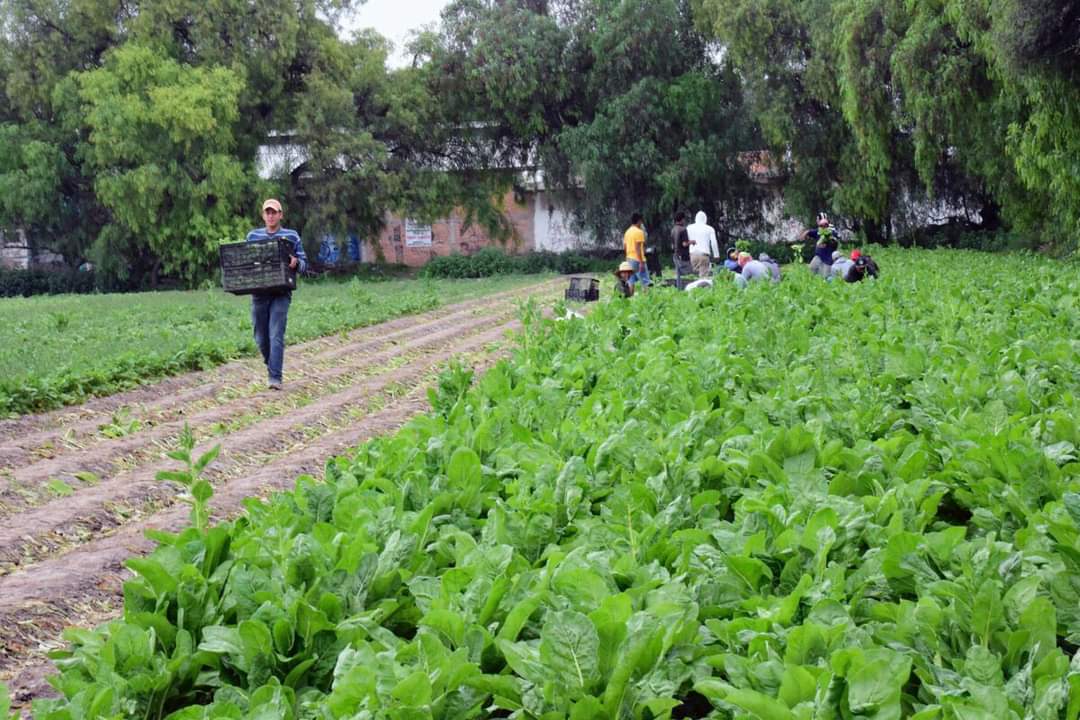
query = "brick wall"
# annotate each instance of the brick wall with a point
(450, 235)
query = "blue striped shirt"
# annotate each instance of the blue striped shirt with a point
(291, 235)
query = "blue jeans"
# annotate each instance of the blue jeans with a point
(682, 267)
(641, 272)
(269, 314)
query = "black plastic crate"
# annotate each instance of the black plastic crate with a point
(257, 267)
(585, 289)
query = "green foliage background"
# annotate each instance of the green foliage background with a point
(881, 102)
(62, 350)
(129, 131)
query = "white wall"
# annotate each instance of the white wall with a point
(15, 251)
(274, 161)
(553, 227)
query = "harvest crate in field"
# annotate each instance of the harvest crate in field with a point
(257, 267)
(586, 289)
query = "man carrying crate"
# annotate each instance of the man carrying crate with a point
(270, 311)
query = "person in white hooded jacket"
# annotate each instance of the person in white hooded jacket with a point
(702, 244)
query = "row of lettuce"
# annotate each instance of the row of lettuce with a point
(799, 501)
(60, 351)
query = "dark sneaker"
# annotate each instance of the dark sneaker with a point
(274, 385)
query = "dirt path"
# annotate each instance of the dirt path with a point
(77, 487)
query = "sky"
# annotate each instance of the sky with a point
(394, 19)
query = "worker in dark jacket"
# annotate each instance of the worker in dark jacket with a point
(863, 267)
(680, 244)
(826, 242)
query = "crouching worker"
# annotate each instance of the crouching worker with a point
(751, 270)
(731, 262)
(623, 286)
(840, 265)
(862, 267)
(698, 284)
(772, 265)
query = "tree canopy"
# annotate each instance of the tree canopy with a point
(883, 104)
(621, 104)
(130, 131)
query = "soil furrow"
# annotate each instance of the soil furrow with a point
(83, 586)
(100, 459)
(117, 499)
(28, 438)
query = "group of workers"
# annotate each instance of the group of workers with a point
(829, 262)
(695, 245)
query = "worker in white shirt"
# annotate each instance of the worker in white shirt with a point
(702, 244)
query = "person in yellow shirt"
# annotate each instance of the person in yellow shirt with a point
(634, 242)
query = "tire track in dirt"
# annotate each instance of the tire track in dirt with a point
(42, 530)
(80, 584)
(84, 587)
(29, 438)
(22, 487)
(101, 458)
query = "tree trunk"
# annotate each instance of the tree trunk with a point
(990, 213)
(873, 232)
(155, 274)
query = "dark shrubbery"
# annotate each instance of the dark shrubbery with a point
(779, 252)
(965, 237)
(493, 261)
(368, 272)
(24, 283)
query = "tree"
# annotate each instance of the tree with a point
(622, 104)
(782, 51)
(142, 121)
(974, 102)
(160, 143)
(43, 188)
(957, 114)
(272, 44)
(1034, 47)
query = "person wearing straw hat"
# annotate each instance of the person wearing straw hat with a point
(624, 286)
(270, 311)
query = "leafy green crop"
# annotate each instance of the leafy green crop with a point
(199, 489)
(61, 350)
(5, 704)
(868, 509)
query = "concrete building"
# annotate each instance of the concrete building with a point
(17, 253)
(538, 220)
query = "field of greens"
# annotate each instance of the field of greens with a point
(61, 350)
(794, 502)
